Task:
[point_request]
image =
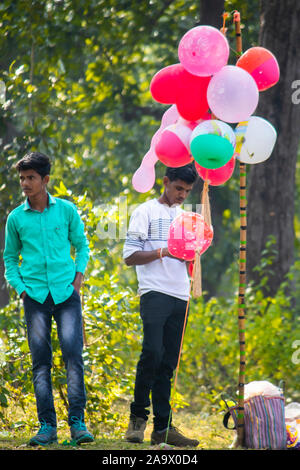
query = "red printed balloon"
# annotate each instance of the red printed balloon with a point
(262, 65)
(189, 232)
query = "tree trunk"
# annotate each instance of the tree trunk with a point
(271, 189)
(211, 13)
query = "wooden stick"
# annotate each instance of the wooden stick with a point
(242, 270)
(83, 322)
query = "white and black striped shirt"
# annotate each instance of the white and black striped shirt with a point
(148, 230)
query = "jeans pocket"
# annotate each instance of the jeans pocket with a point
(146, 296)
(149, 294)
(76, 294)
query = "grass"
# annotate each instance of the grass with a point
(208, 429)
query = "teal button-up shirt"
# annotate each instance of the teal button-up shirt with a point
(44, 239)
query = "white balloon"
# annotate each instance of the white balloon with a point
(255, 140)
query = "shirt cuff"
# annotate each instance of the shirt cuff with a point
(81, 266)
(20, 288)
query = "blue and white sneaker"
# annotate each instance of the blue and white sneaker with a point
(79, 432)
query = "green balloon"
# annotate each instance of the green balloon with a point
(211, 151)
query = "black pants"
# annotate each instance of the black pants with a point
(163, 321)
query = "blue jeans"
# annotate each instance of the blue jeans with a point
(68, 317)
(163, 321)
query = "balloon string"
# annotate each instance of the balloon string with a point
(205, 205)
(179, 356)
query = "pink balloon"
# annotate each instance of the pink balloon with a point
(189, 232)
(232, 94)
(169, 117)
(203, 51)
(216, 176)
(144, 177)
(173, 147)
(174, 84)
(262, 65)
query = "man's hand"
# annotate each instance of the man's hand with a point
(77, 282)
(165, 252)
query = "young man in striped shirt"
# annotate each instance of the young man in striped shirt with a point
(163, 285)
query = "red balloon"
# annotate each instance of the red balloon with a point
(174, 85)
(164, 84)
(192, 96)
(189, 232)
(191, 269)
(262, 65)
(216, 176)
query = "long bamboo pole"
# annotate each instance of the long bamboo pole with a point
(242, 270)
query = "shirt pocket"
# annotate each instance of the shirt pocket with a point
(58, 235)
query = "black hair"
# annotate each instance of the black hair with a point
(36, 161)
(185, 173)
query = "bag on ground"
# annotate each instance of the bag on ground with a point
(264, 416)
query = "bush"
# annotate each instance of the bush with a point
(210, 356)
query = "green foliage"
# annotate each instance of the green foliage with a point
(77, 78)
(112, 328)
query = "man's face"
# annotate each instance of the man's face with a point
(177, 191)
(32, 183)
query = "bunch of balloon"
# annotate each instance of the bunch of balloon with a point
(184, 87)
(208, 96)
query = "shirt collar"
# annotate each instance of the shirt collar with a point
(51, 201)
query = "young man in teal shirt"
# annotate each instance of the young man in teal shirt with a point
(42, 231)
